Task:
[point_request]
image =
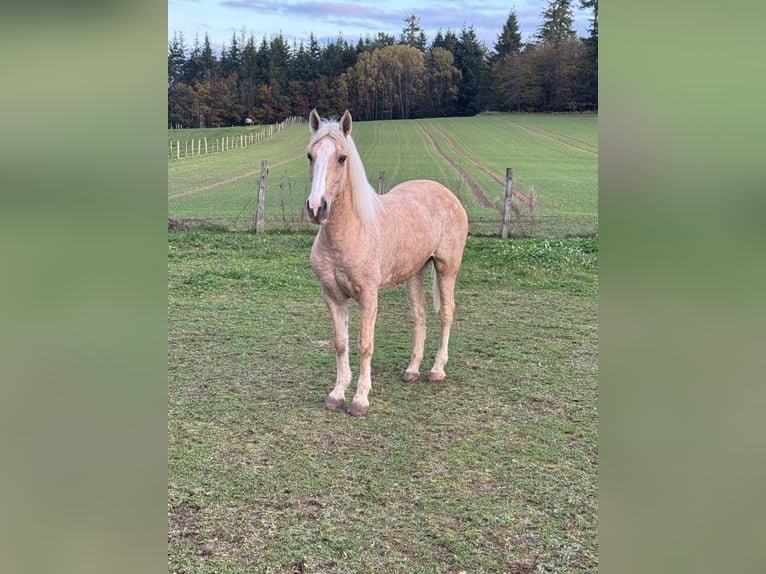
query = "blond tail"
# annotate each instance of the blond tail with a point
(437, 292)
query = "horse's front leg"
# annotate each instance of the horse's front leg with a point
(368, 311)
(339, 312)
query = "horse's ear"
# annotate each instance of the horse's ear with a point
(345, 123)
(314, 121)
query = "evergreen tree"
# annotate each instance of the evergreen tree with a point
(337, 57)
(279, 61)
(176, 58)
(412, 34)
(471, 60)
(208, 63)
(502, 93)
(369, 44)
(509, 40)
(193, 66)
(557, 20)
(448, 41)
(590, 59)
(231, 57)
(594, 21)
(262, 61)
(248, 81)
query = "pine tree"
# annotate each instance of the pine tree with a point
(509, 40)
(231, 57)
(471, 60)
(176, 58)
(412, 34)
(208, 62)
(557, 20)
(590, 59)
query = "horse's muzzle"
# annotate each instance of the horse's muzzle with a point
(318, 215)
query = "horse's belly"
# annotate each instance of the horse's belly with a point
(403, 271)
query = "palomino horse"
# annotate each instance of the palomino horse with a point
(368, 242)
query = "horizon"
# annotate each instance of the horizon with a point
(296, 20)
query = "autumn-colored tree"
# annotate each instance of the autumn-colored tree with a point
(380, 78)
(228, 109)
(264, 110)
(442, 81)
(181, 106)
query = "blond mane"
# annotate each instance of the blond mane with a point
(363, 197)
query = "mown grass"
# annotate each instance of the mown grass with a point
(554, 156)
(493, 470)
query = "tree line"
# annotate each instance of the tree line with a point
(384, 77)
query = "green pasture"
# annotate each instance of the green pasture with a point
(553, 156)
(492, 470)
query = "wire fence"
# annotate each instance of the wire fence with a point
(518, 216)
(479, 226)
(189, 147)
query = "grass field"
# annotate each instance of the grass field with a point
(492, 470)
(556, 157)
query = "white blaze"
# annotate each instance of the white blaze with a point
(324, 154)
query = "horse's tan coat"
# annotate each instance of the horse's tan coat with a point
(370, 242)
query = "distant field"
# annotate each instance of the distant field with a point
(554, 157)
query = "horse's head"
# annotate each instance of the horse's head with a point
(327, 153)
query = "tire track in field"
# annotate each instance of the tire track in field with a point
(478, 194)
(532, 202)
(230, 180)
(553, 136)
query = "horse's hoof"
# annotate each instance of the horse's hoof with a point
(357, 410)
(433, 377)
(332, 403)
(408, 376)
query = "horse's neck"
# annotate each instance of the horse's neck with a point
(345, 229)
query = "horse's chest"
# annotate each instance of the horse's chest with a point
(335, 275)
(346, 283)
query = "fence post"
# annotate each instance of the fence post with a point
(507, 204)
(259, 228)
(382, 182)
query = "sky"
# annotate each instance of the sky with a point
(296, 19)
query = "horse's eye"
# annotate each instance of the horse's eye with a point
(308, 155)
(342, 159)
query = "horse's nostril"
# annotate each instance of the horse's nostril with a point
(318, 214)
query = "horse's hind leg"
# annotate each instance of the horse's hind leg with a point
(446, 284)
(417, 298)
(339, 312)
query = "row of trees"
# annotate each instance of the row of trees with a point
(385, 77)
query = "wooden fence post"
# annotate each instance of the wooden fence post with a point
(382, 183)
(507, 205)
(259, 227)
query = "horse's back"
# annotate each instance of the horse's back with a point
(428, 197)
(423, 220)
